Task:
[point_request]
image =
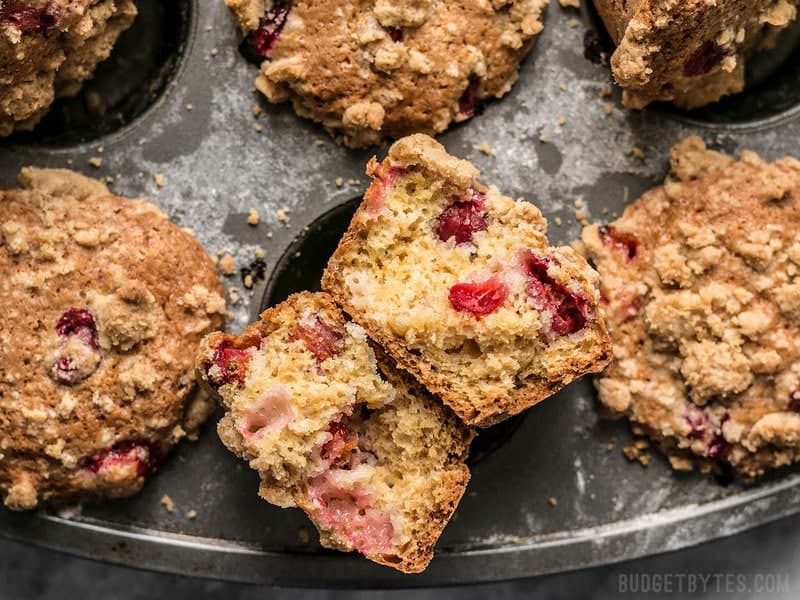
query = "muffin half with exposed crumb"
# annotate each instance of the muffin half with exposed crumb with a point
(104, 301)
(375, 461)
(461, 287)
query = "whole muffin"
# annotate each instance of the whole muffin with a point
(48, 48)
(104, 301)
(387, 68)
(692, 52)
(701, 286)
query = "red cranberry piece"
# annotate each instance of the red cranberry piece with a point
(569, 310)
(319, 338)
(78, 322)
(66, 370)
(263, 39)
(395, 33)
(794, 401)
(232, 363)
(468, 101)
(698, 421)
(707, 57)
(479, 297)
(78, 352)
(339, 449)
(624, 243)
(350, 512)
(273, 410)
(145, 455)
(30, 18)
(719, 449)
(383, 176)
(462, 218)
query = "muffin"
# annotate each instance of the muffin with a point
(701, 287)
(386, 68)
(48, 48)
(461, 287)
(690, 53)
(374, 461)
(104, 302)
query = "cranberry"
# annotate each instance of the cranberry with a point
(145, 455)
(339, 449)
(78, 352)
(319, 338)
(718, 448)
(698, 421)
(273, 410)
(569, 310)
(78, 322)
(395, 33)
(462, 218)
(384, 175)
(707, 57)
(263, 39)
(66, 370)
(232, 363)
(349, 511)
(794, 401)
(468, 101)
(30, 18)
(624, 243)
(479, 297)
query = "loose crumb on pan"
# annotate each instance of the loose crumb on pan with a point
(283, 215)
(253, 217)
(167, 503)
(638, 451)
(96, 162)
(552, 501)
(191, 514)
(570, 3)
(485, 148)
(227, 264)
(159, 179)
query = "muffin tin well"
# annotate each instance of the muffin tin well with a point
(556, 140)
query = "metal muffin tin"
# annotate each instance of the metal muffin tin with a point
(200, 133)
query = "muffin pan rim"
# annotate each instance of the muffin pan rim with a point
(481, 544)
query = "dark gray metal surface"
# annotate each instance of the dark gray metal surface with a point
(201, 136)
